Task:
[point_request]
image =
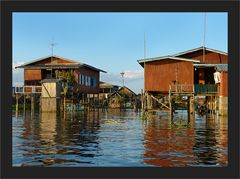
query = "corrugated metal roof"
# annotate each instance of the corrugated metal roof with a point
(218, 67)
(200, 48)
(141, 61)
(73, 64)
(222, 67)
(49, 56)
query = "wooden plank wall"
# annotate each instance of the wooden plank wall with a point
(87, 72)
(210, 57)
(31, 74)
(160, 74)
(224, 84)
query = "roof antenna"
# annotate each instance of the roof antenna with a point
(204, 35)
(145, 52)
(122, 73)
(52, 44)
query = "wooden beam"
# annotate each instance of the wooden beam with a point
(159, 101)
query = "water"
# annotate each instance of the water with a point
(118, 138)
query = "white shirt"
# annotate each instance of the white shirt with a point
(217, 77)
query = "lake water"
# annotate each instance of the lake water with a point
(119, 138)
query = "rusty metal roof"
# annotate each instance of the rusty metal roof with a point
(72, 64)
(198, 49)
(218, 67)
(141, 61)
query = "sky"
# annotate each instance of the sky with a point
(113, 41)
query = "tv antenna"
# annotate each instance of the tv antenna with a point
(145, 54)
(122, 73)
(52, 44)
(204, 35)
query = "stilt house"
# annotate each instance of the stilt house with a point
(106, 89)
(193, 71)
(79, 77)
(123, 98)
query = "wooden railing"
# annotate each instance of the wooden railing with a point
(196, 89)
(181, 88)
(26, 89)
(206, 89)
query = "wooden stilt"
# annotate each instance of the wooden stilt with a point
(32, 104)
(170, 106)
(24, 103)
(192, 105)
(17, 105)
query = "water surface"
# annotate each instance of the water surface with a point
(119, 138)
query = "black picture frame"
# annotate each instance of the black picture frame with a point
(8, 7)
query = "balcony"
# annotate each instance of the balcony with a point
(206, 89)
(194, 89)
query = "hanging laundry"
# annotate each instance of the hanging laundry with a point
(217, 77)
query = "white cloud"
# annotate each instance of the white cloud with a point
(129, 75)
(17, 74)
(133, 75)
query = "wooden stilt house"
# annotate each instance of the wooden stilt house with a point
(190, 73)
(80, 79)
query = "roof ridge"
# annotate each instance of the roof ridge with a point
(199, 48)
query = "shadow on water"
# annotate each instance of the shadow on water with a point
(118, 138)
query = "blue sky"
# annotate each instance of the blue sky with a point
(113, 41)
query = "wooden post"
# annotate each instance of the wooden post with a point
(64, 103)
(188, 108)
(17, 105)
(170, 106)
(32, 104)
(192, 106)
(24, 103)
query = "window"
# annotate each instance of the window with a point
(89, 81)
(79, 78)
(86, 80)
(94, 82)
(83, 80)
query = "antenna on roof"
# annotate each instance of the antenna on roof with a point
(52, 44)
(122, 73)
(145, 52)
(204, 35)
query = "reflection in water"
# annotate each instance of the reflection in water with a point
(169, 144)
(118, 138)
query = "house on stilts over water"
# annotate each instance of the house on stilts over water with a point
(78, 81)
(198, 72)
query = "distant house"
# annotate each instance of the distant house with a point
(123, 98)
(82, 78)
(106, 89)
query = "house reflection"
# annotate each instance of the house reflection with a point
(166, 146)
(210, 141)
(47, 132)
(222, 140)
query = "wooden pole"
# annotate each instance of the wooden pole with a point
(24, 103)
(32, 104)
(17, 104)
(170, 107)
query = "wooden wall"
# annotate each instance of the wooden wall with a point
(160, 74)
(224, 84)
(55, 61)
(87, 72)
(31, 74)
(210, 57)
